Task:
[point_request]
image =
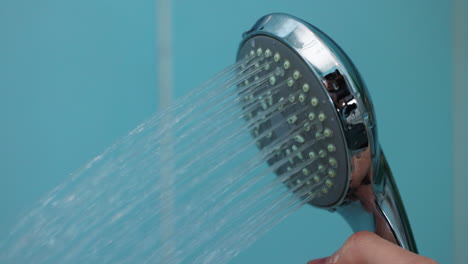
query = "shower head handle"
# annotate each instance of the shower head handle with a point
(390, 205)
(378, 208)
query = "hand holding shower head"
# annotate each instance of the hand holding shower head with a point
(320, 102)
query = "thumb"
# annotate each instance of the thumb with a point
(366, 247)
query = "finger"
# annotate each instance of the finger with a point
(366, 247)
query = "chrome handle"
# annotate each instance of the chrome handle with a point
(391, 207)
(378, 208)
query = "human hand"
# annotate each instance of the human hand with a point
(366, 247)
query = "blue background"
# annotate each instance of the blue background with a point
(76, 75)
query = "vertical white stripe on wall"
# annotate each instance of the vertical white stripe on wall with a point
(460, 132)
(164, 52)
(164, 76)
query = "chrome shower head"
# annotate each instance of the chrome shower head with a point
(307, 110)
(314, 95)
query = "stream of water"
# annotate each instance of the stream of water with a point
(221, 195)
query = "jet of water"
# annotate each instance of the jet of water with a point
(224, 196)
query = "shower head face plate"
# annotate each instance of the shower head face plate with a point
(311, 158)
(334, 108)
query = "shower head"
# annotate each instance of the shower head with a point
(305, 106)
(307, 90)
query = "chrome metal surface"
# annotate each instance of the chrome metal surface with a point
(391, 206)
(371, 201)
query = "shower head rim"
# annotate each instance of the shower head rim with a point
(325, 57)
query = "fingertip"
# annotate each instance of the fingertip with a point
(319, 261)
(367, 247)
(361, 238)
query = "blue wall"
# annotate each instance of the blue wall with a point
(76, 75)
